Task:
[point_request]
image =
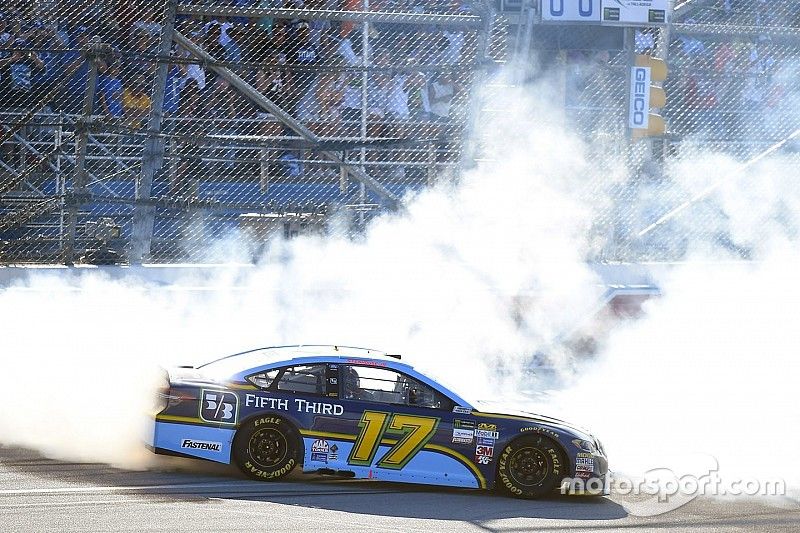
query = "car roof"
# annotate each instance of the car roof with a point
(271, 354)
(302, 353)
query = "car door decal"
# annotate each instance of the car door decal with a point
(373, 425)
(414, 431)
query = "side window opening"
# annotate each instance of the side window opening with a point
(264, 380)
(305, 379)
(388, 386)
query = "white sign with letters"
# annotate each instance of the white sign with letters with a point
(639, 113)
(571, 11)
(635, 12)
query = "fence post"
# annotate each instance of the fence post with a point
(153, 154)
(75, 199)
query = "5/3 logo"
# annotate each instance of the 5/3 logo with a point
(219, 406)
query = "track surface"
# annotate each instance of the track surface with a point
(38, 494)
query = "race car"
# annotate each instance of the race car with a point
(360, 413)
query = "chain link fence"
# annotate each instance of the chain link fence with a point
(145, 131)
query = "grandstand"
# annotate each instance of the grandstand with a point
(178, 124)
(141, 131)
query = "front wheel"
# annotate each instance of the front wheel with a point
(531, 466)
(267, 448)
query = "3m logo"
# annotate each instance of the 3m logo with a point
(484, 451)
(201, 445)
(219, 406)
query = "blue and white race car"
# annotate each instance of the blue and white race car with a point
(360, 413)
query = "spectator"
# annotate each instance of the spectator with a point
(44, 37)
(223, 34)
(441, 94)
(136, 101)
(140, 65)
(274, 84)
(19, 68)
(701, 96)
(402, 86)
(5, 34)
(75, 87)
(109, 91)
(172, 91)
(302, 53)
(761, 67)
(329, 94)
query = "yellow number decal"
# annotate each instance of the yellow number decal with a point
(372, 424)
(415, 432)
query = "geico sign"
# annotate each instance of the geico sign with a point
(640, 97)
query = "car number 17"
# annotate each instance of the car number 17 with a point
(414, 432)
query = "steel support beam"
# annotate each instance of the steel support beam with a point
(266, 104)
(324, 14)
(81, 143)
(469, 143)
(153, 154)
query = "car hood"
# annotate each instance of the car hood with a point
(505, 409)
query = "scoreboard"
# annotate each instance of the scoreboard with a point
(607, 12)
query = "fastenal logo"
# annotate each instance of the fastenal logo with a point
(661, 490)
(201, 445)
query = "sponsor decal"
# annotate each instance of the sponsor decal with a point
(269, 475)
(486, 434)
(201, 445)
(219, 406)
(462, 436)
(538, 429)
(319, 457)
(334, 453)
(485, 451)
(260, 401)
(583, 475)
(484, 441)
(464, 424)
(462, 410)
(320, 445)
(584, 454)
(639, 98)
(365, 362)
(488, 431)
(583, 464)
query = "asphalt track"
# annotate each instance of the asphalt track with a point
(40, 494)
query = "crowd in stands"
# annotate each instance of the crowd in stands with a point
(728, 88)
(310, 67)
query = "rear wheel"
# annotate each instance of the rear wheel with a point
(267, 448)
(531, 467)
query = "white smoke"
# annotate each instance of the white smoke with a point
(711, 368)
(471, 274)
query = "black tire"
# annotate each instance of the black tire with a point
(531, 467)
(267, 448)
